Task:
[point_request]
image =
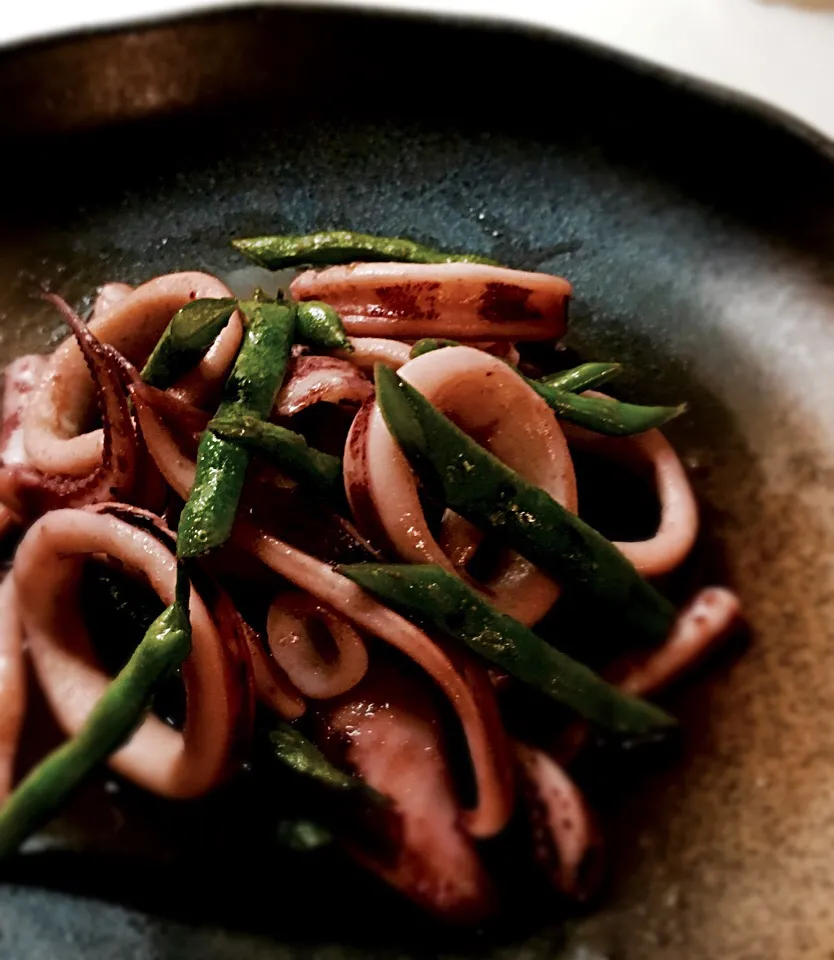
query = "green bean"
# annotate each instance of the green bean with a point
(316, 323)
(285, 449)
(600, 414)
(319, 324)
(256, 377)
(441, 601)
(603, 414)
(290, 747)
(209, 514)
(428, 344)
(342, 246)
(110, 724)
(472, 482)
(191, 331)
(583, 377)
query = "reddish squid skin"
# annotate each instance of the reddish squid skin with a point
(368, 351)
(490, 402)
(389, 733)
(12, 682)
(157, 758)
(313, 379)
(28, 492)
(566, 841)
(706, 620)
(108, 295)
(494, 802)
(20, 379)
(53, 424)
(678, 528)
(293, 641)
(464, 301)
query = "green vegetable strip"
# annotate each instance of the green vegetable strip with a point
(285, 449)
(600, 414)
(190, 333)
(209, 514)
(428, 344)
(319, 324)
(294, 750)
(475, 484)
(441, 601)
(342, 246)
(583, 377)
(112, 721)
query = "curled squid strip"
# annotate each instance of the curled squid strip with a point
(312, 380)
(271, 499)
(272, 685)
(460, 481)
(257, 672)
(188, 421)
(21, 377)
(706, 620)
(368, 351)
(395, 743)
(466, 301)
(55, 433)
(567, 843)
(12, 682)
(319, 579)
(503, 349)
(482, 734)
(459, 539)
(319, 666)
(46, 575)
(28, 492)
(488, 400)
(109, 294)
(678, 528)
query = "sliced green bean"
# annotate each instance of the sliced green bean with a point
(477, 485)
(319, 324)
(428, 344)
(209, 514)
(294, 750)
(189, 334)
(316, 323)
(439, 600)
(285, 449)
(613, 418)
(583, 377)
(342, 246)
(603, 414)
(111, 723)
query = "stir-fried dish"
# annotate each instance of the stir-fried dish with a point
(345, 518)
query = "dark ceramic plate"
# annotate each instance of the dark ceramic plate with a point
(699, 235)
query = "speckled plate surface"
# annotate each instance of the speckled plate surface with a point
(699, 235)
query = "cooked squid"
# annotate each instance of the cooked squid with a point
(370, 641)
